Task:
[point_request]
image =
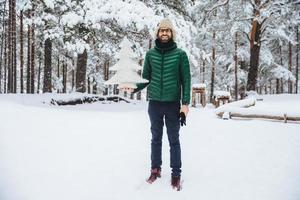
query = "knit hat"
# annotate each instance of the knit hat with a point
(166, 23)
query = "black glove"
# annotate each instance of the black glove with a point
(182, 119)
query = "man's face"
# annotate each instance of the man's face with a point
(164, 34)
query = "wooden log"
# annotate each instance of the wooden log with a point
(87, 100)
(285, 118)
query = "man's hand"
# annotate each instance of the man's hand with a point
(185, 109)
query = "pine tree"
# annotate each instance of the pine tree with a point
(126, 69)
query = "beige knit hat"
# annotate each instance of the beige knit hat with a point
(166, 23)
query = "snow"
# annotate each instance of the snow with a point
(71, 19)
(49, 4)
(199, 85)
(102, 151)
(219, 93)
(288, 105)
(284, 73)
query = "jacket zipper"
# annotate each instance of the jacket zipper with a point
(161, 75)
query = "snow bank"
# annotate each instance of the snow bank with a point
(273, 106)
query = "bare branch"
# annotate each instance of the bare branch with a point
(208, 12)
(265, 4)
(217, 6)
(246, 35)
(264, 40)
(263, 21)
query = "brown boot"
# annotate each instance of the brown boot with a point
(175, 182)
(155, 173)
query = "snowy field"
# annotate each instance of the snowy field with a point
(102, 152)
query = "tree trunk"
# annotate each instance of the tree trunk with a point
(32, 68)
(277, 79)
(106, 76)
(254, 55)
(81, 72)
(297, 60)
(14, 48)
(277, 86)
(290, 83)
(73, 75)
(2, 46)
(5, 59)
(58, 71)
(21, 52)
(28, 60)
(47, 66)
(203, 72)
(213, 68)
(2, 40)
(139, 94)
(89, 84)
(280, 53)
(236, 67)
(96, 82)
(281, 85)
(39, 73)
(9, 63)
(65, 77)
(73, 79)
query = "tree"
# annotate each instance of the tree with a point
(14, 47)
(126, 69)
(81, 72)
(21, 52)
(266, 14)
(28, 76)
(268, 23)
(3, 38)
(47, 87)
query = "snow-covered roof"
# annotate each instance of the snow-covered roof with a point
(219, 94)
(199, 85)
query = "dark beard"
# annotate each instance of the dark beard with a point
(164, 45)
(164, 41)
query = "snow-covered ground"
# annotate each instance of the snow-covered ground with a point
(102, 151)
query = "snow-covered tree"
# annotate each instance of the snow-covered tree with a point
(258, 24)
(126, 68)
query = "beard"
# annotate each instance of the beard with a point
(164, 38)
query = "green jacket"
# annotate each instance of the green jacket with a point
(168, 72)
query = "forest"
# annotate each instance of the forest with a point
(64, 46)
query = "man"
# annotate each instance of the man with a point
(167, 69)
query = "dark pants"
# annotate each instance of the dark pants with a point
(158, 113)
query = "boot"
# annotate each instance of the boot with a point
(175, 182)
(155, 173)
